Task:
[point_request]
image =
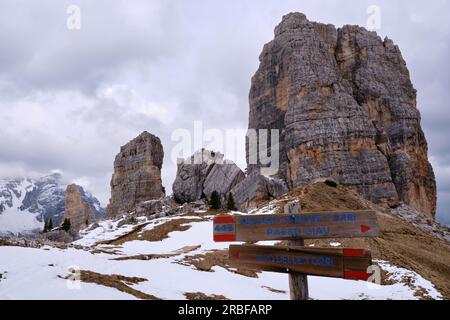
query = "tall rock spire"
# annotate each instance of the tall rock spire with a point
(137, 174)
(346, 109)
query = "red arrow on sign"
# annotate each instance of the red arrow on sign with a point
(364, 228)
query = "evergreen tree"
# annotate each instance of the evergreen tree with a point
(45, 226)
(50, 225)
(231, 205)
(66, 225)
(215, 202)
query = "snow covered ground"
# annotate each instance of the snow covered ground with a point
(28, 273)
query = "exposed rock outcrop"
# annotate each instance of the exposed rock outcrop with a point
(257, 189)
(202, 174)
(77, 209)
(346, 109)
(137, 174)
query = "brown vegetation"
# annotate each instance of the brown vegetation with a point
(206, 261)
(158, 233)
(118, 282)
(178, 252)
(202, 296)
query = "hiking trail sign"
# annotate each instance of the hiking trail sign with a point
(319, 225)
(327, 262)
(295, 259)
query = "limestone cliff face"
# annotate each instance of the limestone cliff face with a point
(256, 190)
(77, 209)
(202, 174)
(137, 174)
(346, 109)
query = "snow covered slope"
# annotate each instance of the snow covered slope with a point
(13, 219)
(26, 203)
(169, 258)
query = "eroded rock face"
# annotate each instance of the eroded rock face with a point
(137, 174)
(80, 212)
(257, 189)
(346, 109)
(202, 174)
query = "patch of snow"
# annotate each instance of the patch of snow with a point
(107, 230)
(30, 277)
(415, 281)
(335, 244)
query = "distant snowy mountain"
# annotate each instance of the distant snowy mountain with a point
(26, 203)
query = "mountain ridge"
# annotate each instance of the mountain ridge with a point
(25, 203)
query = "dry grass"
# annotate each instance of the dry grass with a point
(158, 233)
(320, 196)
(205, 262)
(118, 282)
(202, 296)
(208, 213)
(178, 252)
(273, 290)
(124, 238)
(4, 243)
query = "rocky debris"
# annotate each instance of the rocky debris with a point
(78, 209)
(149, 207)
(169, 207)
(191, 207)
(93, 226)
(257, 189)
(137, 174)
(60, 236)
(164, 207)
(202, 174)
(425, 223)
(346, 109)
(35, 243)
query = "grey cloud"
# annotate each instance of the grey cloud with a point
(192, 60)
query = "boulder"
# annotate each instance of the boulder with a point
(257, 189)
(202, 174)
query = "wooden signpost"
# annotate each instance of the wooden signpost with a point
(318, 225)
(325, 262)
(298, 282)
(295, 259)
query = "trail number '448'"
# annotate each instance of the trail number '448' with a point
(224, 228)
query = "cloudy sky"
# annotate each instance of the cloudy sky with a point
(70, 98)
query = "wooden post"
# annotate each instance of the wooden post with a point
(298, 283)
